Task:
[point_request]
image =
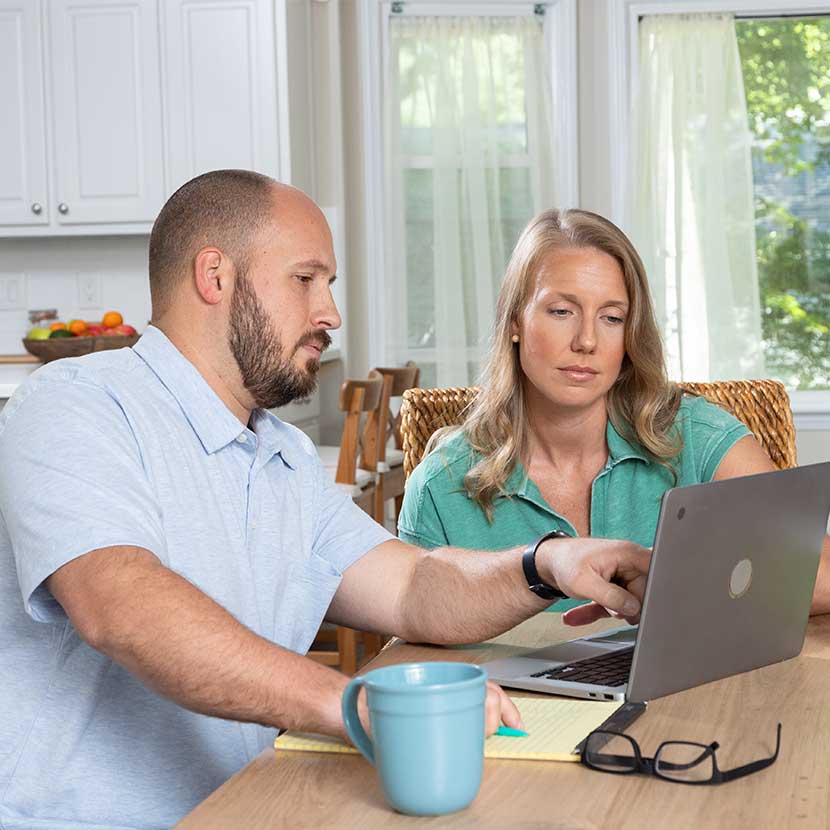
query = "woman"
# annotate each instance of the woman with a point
(577, 427)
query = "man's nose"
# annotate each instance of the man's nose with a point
(326, 315)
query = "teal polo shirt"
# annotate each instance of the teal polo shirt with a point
(625, 495)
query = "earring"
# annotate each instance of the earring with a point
(515, 338)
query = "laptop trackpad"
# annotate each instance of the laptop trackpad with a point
(568, 652)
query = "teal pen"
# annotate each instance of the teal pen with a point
(509, 732)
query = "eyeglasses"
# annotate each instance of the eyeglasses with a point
(680, 761)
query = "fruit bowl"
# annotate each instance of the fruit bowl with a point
(58, 347)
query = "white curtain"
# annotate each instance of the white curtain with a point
(691, 211)
(468, 160)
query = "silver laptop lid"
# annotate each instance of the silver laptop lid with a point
(731, 578)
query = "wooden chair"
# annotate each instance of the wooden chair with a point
(382, 425)
(763, 405)
(358, 398)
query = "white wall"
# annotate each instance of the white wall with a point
(54, 271)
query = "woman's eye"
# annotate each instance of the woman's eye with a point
(559, 312)
(612, 318)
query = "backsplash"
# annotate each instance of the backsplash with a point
(81, 277)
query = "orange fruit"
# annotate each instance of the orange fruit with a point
(77, 326)
(57, 326)
(112, 318)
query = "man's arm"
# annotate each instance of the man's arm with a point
(126, 604)
(450, 595)
(746, 458)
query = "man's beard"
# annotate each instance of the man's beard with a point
(268, 374)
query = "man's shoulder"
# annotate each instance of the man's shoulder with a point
(77, 380)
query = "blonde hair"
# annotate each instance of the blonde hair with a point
(642, 402)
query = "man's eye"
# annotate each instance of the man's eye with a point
(304, 278)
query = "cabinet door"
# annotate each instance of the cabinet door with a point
(107, 111)
(220, 87)
(23, 198)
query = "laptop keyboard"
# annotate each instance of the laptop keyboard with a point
(610, 669)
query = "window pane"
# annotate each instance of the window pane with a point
(786, 68)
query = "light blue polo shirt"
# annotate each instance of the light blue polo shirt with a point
(132, 447)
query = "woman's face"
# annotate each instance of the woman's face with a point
(572, 331)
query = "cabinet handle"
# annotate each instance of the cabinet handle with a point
(63, 208)
(37, 209)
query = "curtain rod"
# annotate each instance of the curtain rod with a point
(397, 7)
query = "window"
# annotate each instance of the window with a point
(742, 263)
(786, 71)
(472, 150)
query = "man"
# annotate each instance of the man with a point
(168, 548)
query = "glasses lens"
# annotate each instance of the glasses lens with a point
(609, 752)
(685, 762)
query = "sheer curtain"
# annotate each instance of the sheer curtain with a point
(691, 211)
(468, 161)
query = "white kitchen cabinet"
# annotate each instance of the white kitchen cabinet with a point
(106, 107)
(220, 87)
(23, 186)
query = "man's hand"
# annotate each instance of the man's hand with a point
(612, 573)
(498, 709)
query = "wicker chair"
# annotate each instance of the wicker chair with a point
(762, 405)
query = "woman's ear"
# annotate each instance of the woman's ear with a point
(211, 272)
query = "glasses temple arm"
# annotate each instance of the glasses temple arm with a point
(754, 766)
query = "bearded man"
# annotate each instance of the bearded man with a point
(169, 548)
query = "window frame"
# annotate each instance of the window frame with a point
(811, 408)
(560, 33)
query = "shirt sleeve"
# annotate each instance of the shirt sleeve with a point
(419, 522)
(342, 531)
(715, 432)
(71, 481)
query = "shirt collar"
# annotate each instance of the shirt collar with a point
(619, 449)
(214, 424)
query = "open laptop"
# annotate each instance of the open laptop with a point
(728, 590)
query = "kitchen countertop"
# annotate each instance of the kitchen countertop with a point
(15, 368)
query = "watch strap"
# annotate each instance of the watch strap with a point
(534, 581)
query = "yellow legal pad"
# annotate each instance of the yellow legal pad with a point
(556, 726)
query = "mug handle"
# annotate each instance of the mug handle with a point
(351, 720)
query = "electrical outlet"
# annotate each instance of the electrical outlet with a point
(89, 291)
(12, 291)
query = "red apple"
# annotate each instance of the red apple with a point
(110, 331)
(124, 329)
(95, 330)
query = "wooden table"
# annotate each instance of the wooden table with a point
(298, 790)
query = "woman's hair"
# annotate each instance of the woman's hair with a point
(642, 402)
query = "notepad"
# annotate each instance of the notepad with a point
(555, 727)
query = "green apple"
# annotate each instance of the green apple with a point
(38, 333)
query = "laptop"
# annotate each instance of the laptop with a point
(728, 590)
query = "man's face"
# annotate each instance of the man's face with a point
(282, 309)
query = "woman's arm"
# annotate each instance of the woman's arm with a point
(746, 458)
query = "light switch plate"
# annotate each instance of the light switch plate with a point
(12, 291)
(89, 291)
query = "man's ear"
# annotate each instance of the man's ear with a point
(213, 272)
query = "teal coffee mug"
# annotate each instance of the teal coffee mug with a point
(427, 724)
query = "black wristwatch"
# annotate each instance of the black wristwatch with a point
(534, 581)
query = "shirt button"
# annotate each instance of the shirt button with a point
(242, 438)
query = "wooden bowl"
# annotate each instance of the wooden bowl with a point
(54, 349)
